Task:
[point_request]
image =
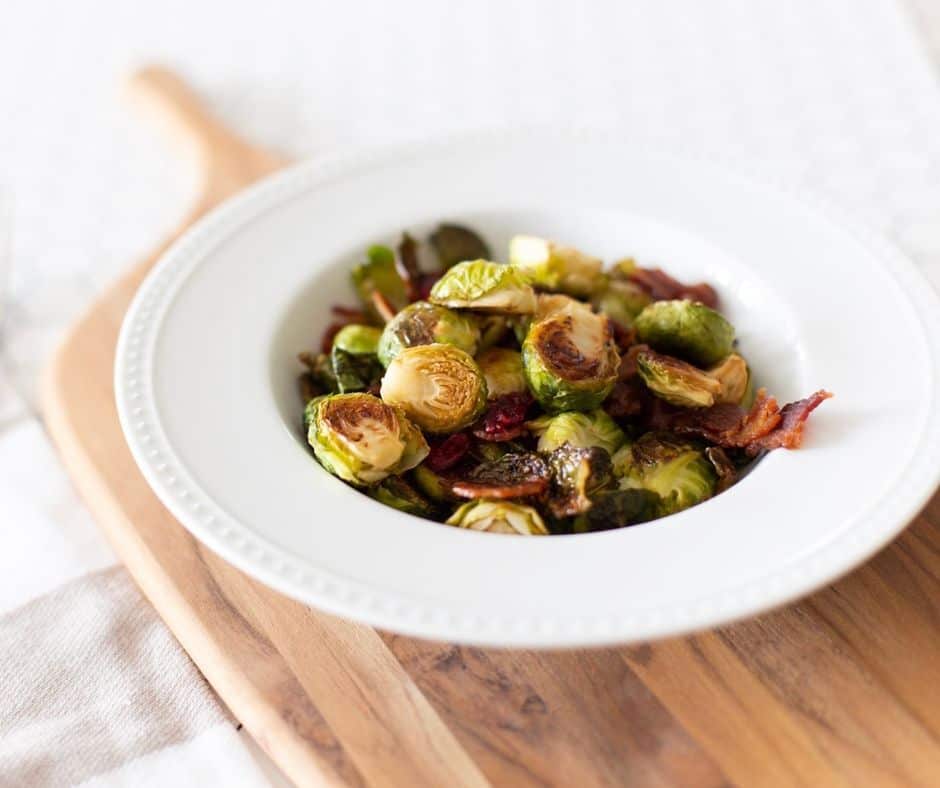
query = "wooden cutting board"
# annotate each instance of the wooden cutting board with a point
(842, 688)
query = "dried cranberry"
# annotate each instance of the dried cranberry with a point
(505, 418)
(448, 452)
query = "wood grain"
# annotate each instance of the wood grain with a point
(840, 689)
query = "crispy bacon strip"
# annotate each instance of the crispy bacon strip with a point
(765, 426)
(663, 287)
(789, 433)
(505, 417)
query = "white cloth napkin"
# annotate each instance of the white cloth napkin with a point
(835, 96)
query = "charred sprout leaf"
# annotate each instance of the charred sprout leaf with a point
(725, 469)
(434, 485)
(503, 371)
(422, 323)
(408, 259)
(354, 359)
(735, 379)
(321, 371)
(397, 493)
(455, 244)
(499, 517)
(570, 359)
(438, 386)
(674, 469)
(486, 287)
(618, 509)
(677, 382)
(621, 301)
(552, 266)
(691, 331)
(580, 430)
(521, 475)
(577, 474)
(362, 439)
(379, 274)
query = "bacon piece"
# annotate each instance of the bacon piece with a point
(623, 337)
(765, 426)
(663, 287)
(629, 396)
(448, 452)
(724, 468)
(505, 418)
(789, 433)
(517, 475)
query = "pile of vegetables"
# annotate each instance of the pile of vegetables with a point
(544, 395)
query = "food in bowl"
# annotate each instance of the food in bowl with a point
(543, 395)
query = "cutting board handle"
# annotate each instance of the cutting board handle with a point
(224, 161)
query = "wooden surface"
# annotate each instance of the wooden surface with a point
(840, 689)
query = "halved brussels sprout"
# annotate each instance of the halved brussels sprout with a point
(438, 386)
(455, 244)
(677, 382)
(354, 359)
(499, 517)
(422, 323)
(397, 493)
(581, 430)
(617, 509)
(621, 301)
(734, 376)
(674, 469)
(577, 474)
(555, 267)
(321, 371)
(362, 439)
(570, 359)
(485, 286)
(379, 274)
(687, 329)
(503, 371)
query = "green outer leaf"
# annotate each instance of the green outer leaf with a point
(481, 284)
(379, 273)
(687, 330)
(582, 430)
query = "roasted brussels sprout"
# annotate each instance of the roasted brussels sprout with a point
(493, 329)
(686, 329)
(397, 493)
(499, 517)
(379, 274)
(354, 359)
(570, 359)
(577, 474)
(674, 469)
(438, 386)
(455, 244)
(735, 378)
(503, 371)
(486, 287)
(677, 382)
(518, 475)
(433, 485)
(621, 301)
(581, 430)
(422, 323)
(321, 372)
(362, 439)
(552, 266)
(617, 509)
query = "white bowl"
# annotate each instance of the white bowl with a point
(206, 389)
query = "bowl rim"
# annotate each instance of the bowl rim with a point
(280, 570)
